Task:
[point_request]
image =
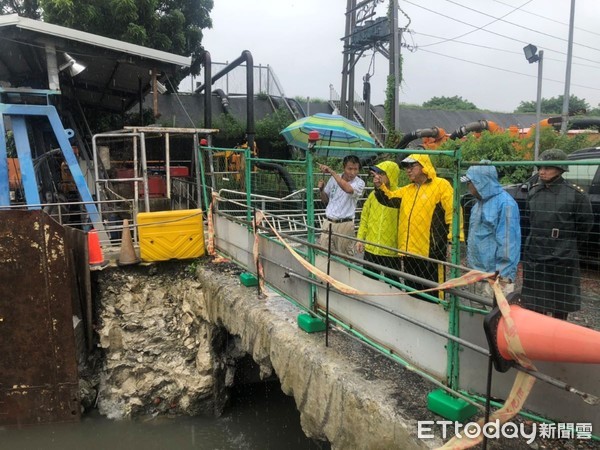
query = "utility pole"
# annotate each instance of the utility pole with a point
(538, 107)
(395, 63)
(352, 63)
(565, 106)
(343, 93)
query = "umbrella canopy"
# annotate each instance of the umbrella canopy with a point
(334, 131)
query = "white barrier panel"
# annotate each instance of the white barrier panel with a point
(411, 342)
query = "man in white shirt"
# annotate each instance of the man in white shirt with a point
(340, 194)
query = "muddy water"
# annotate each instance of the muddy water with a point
(260, 416)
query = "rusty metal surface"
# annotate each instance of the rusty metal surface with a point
(38, 370)
(76, 241)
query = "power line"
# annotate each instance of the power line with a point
(501, 19)
(491, 32)
(499, 49)
(548, 18)
(477, 28)
(506, 70)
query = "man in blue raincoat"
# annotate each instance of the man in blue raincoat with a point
(494, 242)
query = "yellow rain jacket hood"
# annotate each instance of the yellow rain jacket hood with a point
(379, 223)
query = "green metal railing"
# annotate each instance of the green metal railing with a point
(452, 304)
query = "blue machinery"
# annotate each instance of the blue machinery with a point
(19, 114)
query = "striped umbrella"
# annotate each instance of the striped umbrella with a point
(334, 131)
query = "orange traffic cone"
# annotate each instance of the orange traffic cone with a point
(96, 258)
(545, 338)
(127, 254)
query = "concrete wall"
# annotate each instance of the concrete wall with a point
(159, 331)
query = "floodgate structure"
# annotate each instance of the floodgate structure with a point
(78, 310)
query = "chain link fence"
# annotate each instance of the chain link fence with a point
(403, 234)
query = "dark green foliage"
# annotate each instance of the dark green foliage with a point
(231, 132)
(491, 146)
(393, 137)
(173, 26)
(450, 103)
(102, 121)
(554, 105)
(549, 138)
(594, 111)
(504, 147)
(302, 100)
(24, 8)
(268, 139)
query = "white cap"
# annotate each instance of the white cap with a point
(408, 160)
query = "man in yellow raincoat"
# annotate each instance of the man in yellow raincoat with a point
(425, 218)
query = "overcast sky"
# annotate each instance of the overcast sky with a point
(469, 48)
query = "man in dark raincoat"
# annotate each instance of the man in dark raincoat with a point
(559, 215)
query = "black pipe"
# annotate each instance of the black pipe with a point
(432, 132)
(207, 96)
(406, 139)
(250, 131)
(582, 123)
(283, 173)
(224, 100)
(247, 57)
(368, 161)
(462, 131)
(141, 98)
(228, 68)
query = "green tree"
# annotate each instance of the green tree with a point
(231, 131)
(24, 8)
(268, 129)
(506, 147)
(554, 105)
(450, 103)
(594, 111)
(173, 26)
(549, 138)
(492, 146)
(394, 136)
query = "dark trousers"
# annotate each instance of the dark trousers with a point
(423, 269)
(392, 262)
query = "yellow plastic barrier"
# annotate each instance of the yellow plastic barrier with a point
(165, 235)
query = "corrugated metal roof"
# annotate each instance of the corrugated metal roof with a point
(413, 119)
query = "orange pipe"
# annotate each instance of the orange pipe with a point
(545, 338)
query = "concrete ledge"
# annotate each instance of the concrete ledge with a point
(346, 393)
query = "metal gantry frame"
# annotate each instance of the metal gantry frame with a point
(18, 114)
